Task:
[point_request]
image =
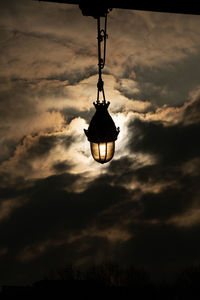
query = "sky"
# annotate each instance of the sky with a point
(57, 205)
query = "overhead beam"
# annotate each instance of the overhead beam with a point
(184, 7)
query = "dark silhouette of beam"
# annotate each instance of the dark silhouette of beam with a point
(184, 7)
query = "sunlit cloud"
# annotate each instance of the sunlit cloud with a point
(188, 219)
(191, 167)
(33, 251)
(114, 234)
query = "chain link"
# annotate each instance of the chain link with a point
(102, 37)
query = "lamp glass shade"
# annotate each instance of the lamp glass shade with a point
(102, 152)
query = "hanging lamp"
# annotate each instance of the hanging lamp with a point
(102, 132)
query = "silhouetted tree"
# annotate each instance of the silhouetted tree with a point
(189, 277)
(70, 272)
(135, 277)
(107, 274)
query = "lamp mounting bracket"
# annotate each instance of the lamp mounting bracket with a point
(94, 9)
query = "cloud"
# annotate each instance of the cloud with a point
(154, 38)
(57, 204)
(8, 206)
(51, 209)
(173, 143)
(27, 42)
(188, 219)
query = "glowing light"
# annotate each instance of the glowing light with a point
(102, 152)
(102, 134)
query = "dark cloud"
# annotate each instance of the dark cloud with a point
(158, 173)
(61, 167)
(42, 146)
(118, 166)
(171, 86)
(191, 113)
(52, 213)
(162, 248)
(171, 144)
(16, 100)
(168, 203)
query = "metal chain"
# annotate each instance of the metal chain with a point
(102, 36)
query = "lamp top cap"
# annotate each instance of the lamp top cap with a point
(101, 105)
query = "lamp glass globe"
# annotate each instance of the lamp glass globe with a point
(102, 152)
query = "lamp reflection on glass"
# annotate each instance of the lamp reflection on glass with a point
(102, 134)
(102, 152)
